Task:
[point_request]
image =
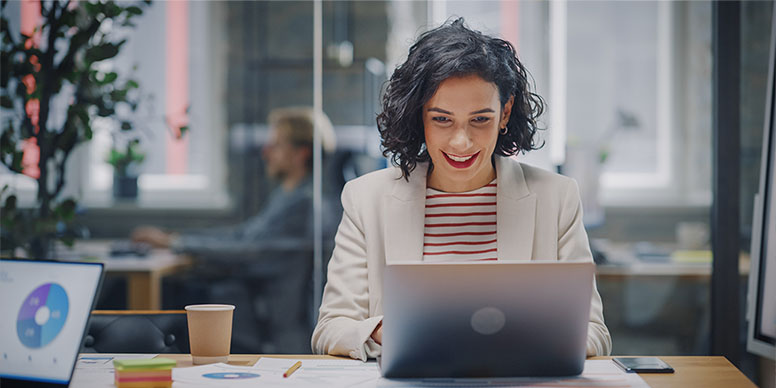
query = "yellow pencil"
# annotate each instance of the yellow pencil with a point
(292, 369)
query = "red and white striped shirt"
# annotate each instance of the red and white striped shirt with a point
(460, 226)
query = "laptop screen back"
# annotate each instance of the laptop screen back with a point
(44, 309)
(485, 319)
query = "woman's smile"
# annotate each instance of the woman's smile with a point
(461, 161)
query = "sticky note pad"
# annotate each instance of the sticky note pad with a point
(144, 364)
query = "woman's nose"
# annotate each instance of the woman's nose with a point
(460, 140)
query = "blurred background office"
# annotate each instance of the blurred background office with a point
(630, 115)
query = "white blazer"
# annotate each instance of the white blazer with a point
(539, 217)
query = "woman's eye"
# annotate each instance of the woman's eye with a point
(440, 119)
(481, 119)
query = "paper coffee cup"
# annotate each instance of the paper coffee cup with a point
(210, 332)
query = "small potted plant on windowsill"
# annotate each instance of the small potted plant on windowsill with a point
(125, 164)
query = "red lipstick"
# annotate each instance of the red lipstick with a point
(464, 164)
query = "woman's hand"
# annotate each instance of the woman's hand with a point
(377, 334)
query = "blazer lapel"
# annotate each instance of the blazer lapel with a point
(404, 213)
(515, 212)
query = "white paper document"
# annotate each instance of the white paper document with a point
(322, 373)
(222, 375)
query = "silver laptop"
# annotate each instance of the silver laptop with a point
(486, 319)
(44, 309)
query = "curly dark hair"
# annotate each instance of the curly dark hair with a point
(454, 50)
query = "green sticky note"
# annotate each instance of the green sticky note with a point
(159, 363)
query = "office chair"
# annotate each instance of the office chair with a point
(137, 331)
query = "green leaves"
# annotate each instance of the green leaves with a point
(133, 10)
(66, 140)
(9, 154)
(65, 210)
(121, 160)
(108, 78)
(19, 227)
(103, 51)
(10, 202)
(6, 102)
(79, 44)
(111, 10)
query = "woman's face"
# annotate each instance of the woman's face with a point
(461, 122)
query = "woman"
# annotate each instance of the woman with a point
(452, 115)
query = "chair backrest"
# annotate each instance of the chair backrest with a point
(137, 331)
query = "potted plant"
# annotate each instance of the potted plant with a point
(59, 61)
(125, 164)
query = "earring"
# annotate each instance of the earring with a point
(503, 130)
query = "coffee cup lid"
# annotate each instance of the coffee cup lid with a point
(209, 307)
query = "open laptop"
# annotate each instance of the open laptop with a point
(44, 310)
(485, 319)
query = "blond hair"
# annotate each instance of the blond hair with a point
(297, 124)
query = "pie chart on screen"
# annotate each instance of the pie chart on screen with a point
(42, 315)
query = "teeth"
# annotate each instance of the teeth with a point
(460, 158)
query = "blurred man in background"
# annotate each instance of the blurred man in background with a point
(288, 212)
(263, 265)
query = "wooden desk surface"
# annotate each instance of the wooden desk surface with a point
(696, 371)
(701, 371)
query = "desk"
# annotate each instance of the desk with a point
(623, 262)
(642, 269)
(709, 372)
(144, 275)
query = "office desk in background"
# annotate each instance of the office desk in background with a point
(656, 296)
(144, 274)
(624, 260)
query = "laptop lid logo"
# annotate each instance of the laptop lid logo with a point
(488, 320)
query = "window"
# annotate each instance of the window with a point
(175, 54)
(637, 99)
(183, 80)
(627, 85)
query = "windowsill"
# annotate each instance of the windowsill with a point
(126, 206)
(160, 201)
(135, 210)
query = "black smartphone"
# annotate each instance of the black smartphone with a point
(643, 365)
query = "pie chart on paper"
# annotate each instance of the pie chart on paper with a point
(42, 315)
(230, 376)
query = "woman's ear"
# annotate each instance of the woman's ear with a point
(506, 112)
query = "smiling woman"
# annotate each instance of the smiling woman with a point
(453, 114)
(441, 56)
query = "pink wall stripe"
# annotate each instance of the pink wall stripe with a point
(510, 22)
(177, 88)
